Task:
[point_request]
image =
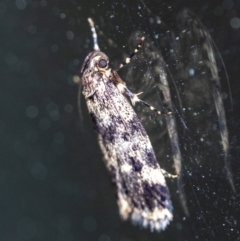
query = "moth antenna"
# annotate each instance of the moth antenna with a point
(94, 35)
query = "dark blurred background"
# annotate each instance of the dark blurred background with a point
(53, 183)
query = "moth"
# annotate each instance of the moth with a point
(142, 194)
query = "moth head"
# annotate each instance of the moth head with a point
(95, 61)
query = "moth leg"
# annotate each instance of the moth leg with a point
(128, 59)
(134, 99)
(91, 94)
(167, 174)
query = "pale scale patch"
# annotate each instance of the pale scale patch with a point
(157, 219)
(126, 168)
(124, 207)
(153, 175)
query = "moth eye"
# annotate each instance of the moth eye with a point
(102, 63)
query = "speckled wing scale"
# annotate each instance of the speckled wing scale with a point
(143, 196)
